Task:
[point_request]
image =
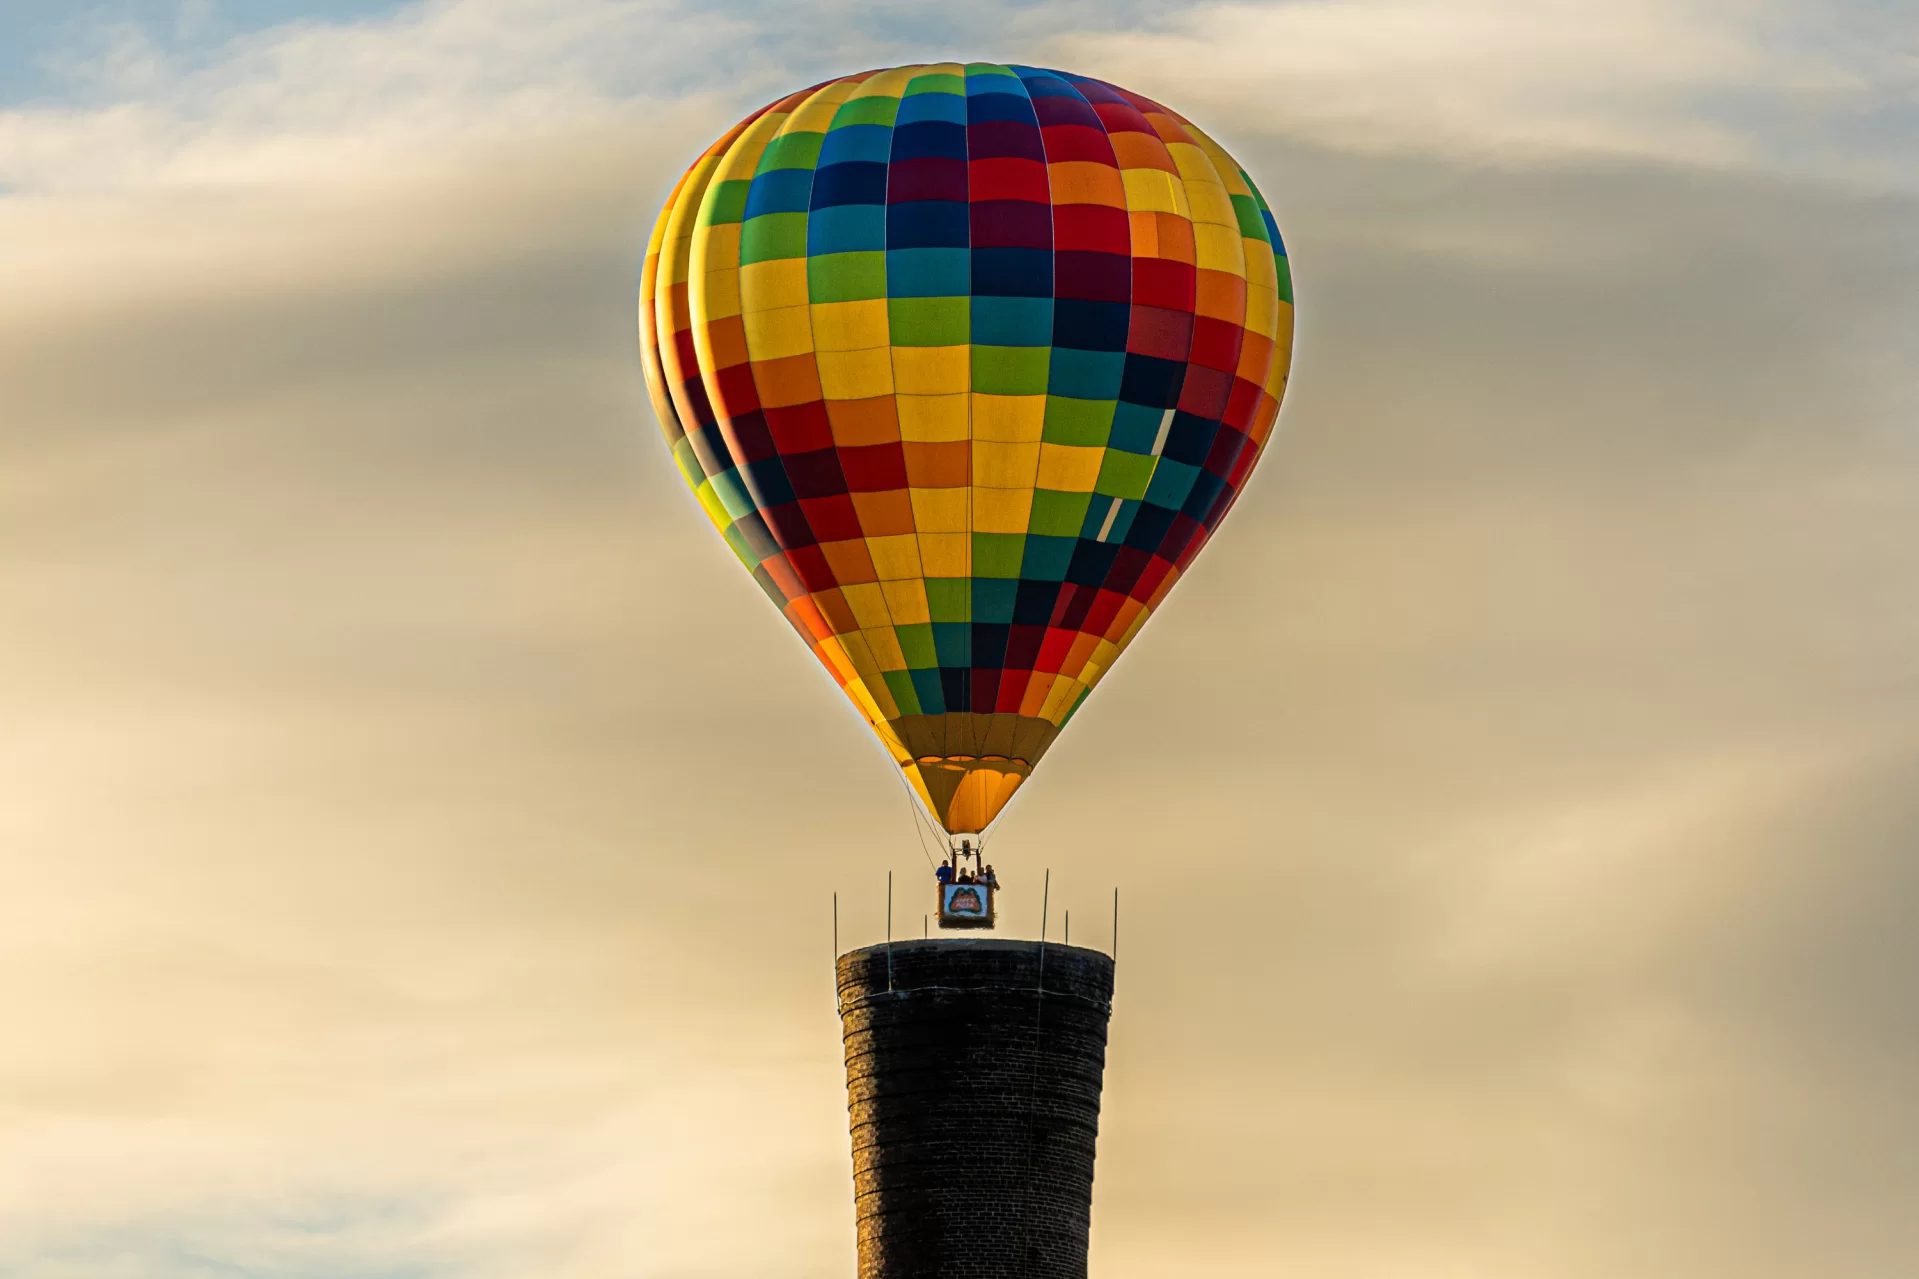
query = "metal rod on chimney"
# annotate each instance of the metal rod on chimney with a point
(1046, 896)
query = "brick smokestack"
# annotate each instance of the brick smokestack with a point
(973, 1072)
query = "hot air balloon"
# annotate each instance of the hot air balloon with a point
(966, 362)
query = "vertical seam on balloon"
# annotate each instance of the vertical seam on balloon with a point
(876, 687)
(1069, 82)
(945, 741)
(1213, 153)
(656, 249)
(1203, 534)
(1282, 362)
(723, 413)
(675, 376)
(654, 371)
(1166, 422)
(692, 188)
(1192, 336)
(1046, 396)
(692, 202)
(1110, 577)
(886, 602)
(849, 644)
(972, 569)
(1112, 570)
(892, 363)
(976, 740)
(1272, 358)
(914, 794)
(671, 249)
(696, 292)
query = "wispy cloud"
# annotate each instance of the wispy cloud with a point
(1491, 78)
(1750, 84)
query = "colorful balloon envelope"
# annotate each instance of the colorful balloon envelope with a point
(966, 362)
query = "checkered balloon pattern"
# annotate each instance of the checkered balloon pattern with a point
(966, 362)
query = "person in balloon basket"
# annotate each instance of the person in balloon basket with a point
(944, 874)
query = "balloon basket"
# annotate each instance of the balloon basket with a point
(966, 906)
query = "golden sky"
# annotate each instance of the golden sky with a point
(417, 835)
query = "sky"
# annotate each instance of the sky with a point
(418, 836)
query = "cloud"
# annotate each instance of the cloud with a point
(312, 98)
(1752, 84)
(1483, 78)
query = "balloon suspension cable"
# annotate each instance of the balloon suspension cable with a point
(918, 818)
(992, 827)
